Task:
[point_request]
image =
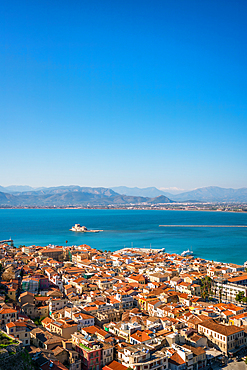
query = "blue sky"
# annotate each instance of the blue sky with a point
(135, 93)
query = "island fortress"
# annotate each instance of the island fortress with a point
(83, 229)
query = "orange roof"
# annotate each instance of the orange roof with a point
(114, 365)
(7, 310)
(176, 359)
(17, 323)
(238, 278)
(140, 336)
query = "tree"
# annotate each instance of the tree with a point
(220, 292)
(206, 284)
(239, 296)
(244, 300)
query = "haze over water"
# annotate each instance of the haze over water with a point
(137, 228)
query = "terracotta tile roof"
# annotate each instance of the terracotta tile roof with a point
(196, 350)
(220, 328)
(114, 365)
(175, 359)
(140, 336)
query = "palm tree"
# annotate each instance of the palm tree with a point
(206, 287)
(220, 292)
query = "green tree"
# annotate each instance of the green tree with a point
(244, 300)
(206, 284)
(220, 293)
(239, 296)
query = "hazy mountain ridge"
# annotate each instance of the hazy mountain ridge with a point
(150, 192)
(73, 196)
(206, 194)
(80, 196)
(15, 188)
(214, 194)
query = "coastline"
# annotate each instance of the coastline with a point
(127, 228)
(141, 208)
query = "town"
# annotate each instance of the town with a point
(79, 308)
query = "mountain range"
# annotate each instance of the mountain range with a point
(206, 194)
(73, 196)
(82, 196)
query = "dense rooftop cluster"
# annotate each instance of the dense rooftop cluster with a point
(75, 307)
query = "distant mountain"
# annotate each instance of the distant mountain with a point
(82, 196)
(70, 189)
(16, 188)
(7, 199)
(160, 200)
(213, 194)
(73, 196)
(150, 192)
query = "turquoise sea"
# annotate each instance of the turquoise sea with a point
(126, 228)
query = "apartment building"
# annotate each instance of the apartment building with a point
(56, 304)
(226, 338)
(126, 300)
(93, 354)
(194, 357)
(63, 327)
(19, 330)
(228, 289)
(138, 357)
(7, 315)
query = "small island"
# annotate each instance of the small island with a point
(83, 229)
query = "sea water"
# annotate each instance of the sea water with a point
(131, 228)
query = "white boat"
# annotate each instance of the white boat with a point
(187, 253)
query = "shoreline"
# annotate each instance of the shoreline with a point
(127, 209)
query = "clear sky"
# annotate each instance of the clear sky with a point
(136, 93)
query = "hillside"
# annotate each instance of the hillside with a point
(150, 192)
(73, 196)
(86, 196)
(214, 194)
(211, 194)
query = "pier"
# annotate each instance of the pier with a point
(203, 226)
(6, 241)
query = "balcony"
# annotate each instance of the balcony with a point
(155, 366)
